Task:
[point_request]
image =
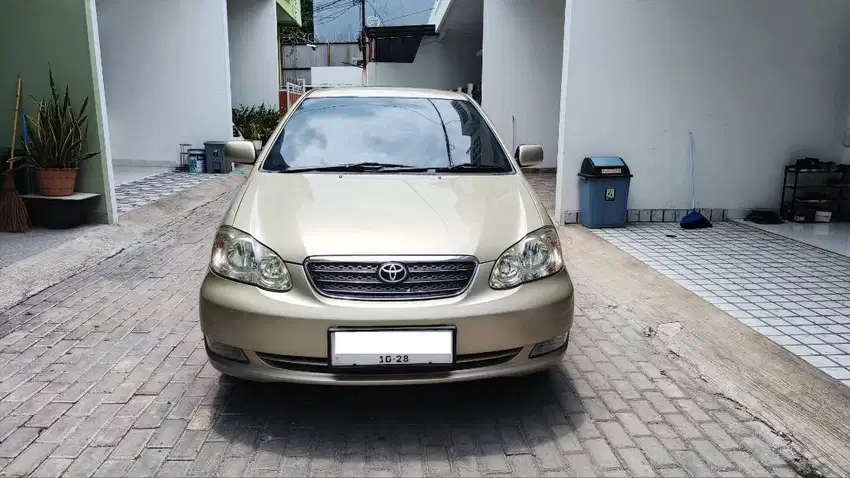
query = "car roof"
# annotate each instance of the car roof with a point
(384, 92)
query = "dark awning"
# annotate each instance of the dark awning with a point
(396, 44)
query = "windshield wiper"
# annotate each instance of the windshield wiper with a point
(474, 168)
(466, 167)
(365, 166)
(400, 168)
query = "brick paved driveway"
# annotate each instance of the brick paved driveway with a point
(106, 374)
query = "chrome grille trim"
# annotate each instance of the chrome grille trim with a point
(356, 277)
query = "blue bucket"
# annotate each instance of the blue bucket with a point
(196, 160)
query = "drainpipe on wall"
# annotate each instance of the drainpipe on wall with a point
(846, 140)
(513, 132)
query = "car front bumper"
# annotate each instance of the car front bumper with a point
(284, 336)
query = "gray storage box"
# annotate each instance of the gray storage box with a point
(215, 162)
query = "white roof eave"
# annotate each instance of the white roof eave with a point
(438, 14)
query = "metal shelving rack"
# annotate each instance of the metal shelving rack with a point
(821, 189)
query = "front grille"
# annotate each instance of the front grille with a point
(320, 365)
(358, 279)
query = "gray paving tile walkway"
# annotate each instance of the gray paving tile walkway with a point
(138, 193)
(795, 294)
(105, 374)
(544, 185)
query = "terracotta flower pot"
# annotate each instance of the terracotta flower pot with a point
(56, 182)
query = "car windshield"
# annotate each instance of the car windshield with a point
(386, 135)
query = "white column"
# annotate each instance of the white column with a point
(521, 71)
(562, 161)
(252, 36)
(98, 102)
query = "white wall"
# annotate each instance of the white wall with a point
(166, 76)
(521, 70)
(759, 83)
(443, 65)
(254, 66)
(336, 75)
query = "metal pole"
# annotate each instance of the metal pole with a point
(363, 37)
(288, 98)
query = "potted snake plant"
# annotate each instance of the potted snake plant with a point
(57, 141)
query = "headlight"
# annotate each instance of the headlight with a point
(238, 256)
(536, 256)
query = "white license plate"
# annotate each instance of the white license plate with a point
(391, 347)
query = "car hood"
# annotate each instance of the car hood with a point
(302, 215)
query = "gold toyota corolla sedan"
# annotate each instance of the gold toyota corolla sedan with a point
(385, 236)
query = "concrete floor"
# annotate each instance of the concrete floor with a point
(834, 236)
(16, 247)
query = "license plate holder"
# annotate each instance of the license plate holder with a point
(391, 347)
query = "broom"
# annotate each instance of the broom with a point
(13, 211)
(693, 220)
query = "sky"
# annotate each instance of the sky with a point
(339, 20)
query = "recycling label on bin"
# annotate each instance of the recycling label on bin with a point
(612, 171)
(609, 194)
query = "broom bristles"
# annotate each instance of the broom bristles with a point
(694, 220)
(13, 212)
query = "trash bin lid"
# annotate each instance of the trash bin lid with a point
(604, 167)
(214, 143)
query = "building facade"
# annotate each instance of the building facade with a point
(758, 83)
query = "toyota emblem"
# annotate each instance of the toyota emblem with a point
(392, 272)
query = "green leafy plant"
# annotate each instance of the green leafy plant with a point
(58, 131)
(256, 122)
(11, 163)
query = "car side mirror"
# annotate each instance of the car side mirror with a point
(240, 152)
(529, 155)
